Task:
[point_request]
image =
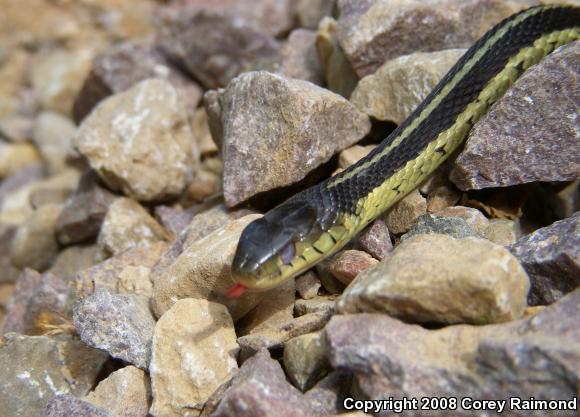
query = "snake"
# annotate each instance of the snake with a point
(319, 221)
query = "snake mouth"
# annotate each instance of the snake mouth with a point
(236, 291)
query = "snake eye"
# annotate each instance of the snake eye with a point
(287, 253)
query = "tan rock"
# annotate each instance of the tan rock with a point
(16, 128)
(346, 265)
(502, 231)
(194, 351)
(74, 259)
(204, 184)
(34, 244)
(402, 215)
(125, 393)
(57, 78)
(12, 77)
(202, 270)
(140, 141)
(277, 130)
(351, 155)
(400, 85)
(436, 278)
(15, 156)
(307, 285)
(128, 225)
(318, 304)
(442, 197)
(305, 360)
(310, 12)
(201, 133)
(53, 135)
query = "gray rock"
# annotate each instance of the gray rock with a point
(551, 257)
(215, 47)
(531, 134)
(26, 285)
(8, 272)
(68, 405)
(327, 396)
(502, 231)
(474, 218)
(120, 324)
(260, 388)
(317, 304)
(299, 59)
(452, 226)
(305, 360)
(53, 135)
(277, 130)
(123, 66)
(83, 213)
(374, 31)
(174, 220)
(310, 12)
(538, 357)
(436, 278)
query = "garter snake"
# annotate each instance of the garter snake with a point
(319, 221)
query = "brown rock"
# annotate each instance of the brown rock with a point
(524, 138)
(376, 241)
(502, 231)
(26, 284)
(436, 278)
(284, 129)
(375, 31)
(34, 244)
(442, 197)
(125, 392)
(319, 304)
(16, 156)
(305, 360)
(128, 225)
(400, 85)
(74, 259)
(140, 142)
(215, 47)
(201, 132)
(346, 265)
(402, 215)
(351, 155)
(299, 58)
(308, 285)
(193, 354)
(83, 213)
(64, 405)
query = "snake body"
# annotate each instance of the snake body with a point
(319, 221)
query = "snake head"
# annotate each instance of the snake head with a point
(268, 246)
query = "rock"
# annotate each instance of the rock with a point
(524, 138)
(74, 259)
(204, 185)
(351, 155)
(13, 76)
(310, 12)
(38, 367)
(124, 65)
(201, 269)
(389, 358)
(403, 214)
(277, 336)
(57, 77)
(400, 85)
(346, 265)
(502, 231)
(308, 285)
(53, 135)
(8, 272)
(125, 392)
(19, 179)
(442, 197)
(128, 225)
(16, 128)
(215, 47)
(376, 31)
(127, 272)
(327, 397)
(67, 405)
(16, 207)
(194, 350)
(339, 74)
(140, 141)
(452, 226)
(551, 259)
(474, 218)
(376, 241)
(173, 219)
(319, 304)
(284, 129)
(49, 307)
(439, 279)
(299, 59)
(83, 213)
(15, 156)
(34, 244)
(120, 324)
(260, 388)
(201, 132)
(26, 285)
(305, 360)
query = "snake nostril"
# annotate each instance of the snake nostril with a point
(287, 253)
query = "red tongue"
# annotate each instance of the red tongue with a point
(236, 291)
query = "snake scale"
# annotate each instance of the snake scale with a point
(319, 221)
